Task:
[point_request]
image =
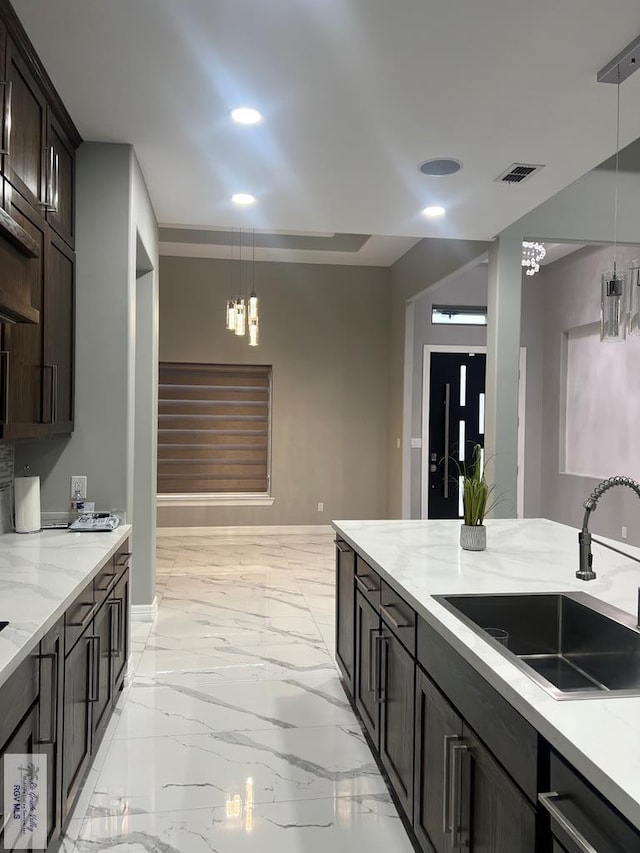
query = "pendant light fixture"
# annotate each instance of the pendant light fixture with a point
(612, 299)
(241, 314)
(634, 299)
(532, 254)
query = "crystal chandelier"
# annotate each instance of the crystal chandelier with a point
(242, 313)
(532, 254)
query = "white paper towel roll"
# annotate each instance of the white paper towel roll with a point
(27, 498)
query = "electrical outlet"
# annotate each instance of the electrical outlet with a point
(78, 483)
(624, 532)
(320, 507)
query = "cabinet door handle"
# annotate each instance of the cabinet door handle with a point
(115, 646)
(51, 165)
(364, 586)
(53, 720)
(446, 784)
(380, 688)
(53, 399)
(548, 801)
(342, 547)
(94, 668)
(458, 751)
(6, 130)
(371, 686)
(87, 617)
(123, 558)
(385, 610)
(4, 362)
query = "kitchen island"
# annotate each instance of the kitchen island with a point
(412, 561)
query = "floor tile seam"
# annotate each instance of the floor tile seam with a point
(266, 803)
(351, 724)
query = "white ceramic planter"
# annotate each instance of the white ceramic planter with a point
(473, 537)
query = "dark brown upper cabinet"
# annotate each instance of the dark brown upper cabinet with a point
(60, 175)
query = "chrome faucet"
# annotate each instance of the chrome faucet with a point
(585, 571)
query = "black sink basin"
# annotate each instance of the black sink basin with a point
(572, 644)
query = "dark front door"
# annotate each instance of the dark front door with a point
(456, 424)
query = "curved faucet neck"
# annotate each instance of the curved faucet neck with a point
(585, 571)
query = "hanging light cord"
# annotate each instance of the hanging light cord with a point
(615, 186)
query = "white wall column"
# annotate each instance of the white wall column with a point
(503, 359)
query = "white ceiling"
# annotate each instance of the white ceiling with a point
(355, 94)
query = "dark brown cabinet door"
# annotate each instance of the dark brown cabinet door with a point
(345, 611)
(120, 650)
(23, 741)
(26, 160)
(495, 816)
(103, 632)
(60, 161)
(367, 668)
(50, 723)
(437, 730)
(397, 710)
(21, 374)
(79, 690)
(58, 331)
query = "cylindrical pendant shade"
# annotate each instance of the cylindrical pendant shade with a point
(253, 332)
(612, 308)
(634, 299)
(231, 315)
(241, 318)
(253, 307)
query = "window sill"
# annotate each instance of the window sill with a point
(215, 500)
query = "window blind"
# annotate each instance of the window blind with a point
(213, 428)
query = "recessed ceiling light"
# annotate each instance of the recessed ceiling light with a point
(243, 198)
(434, 211)
(246, 115)
(440, 167)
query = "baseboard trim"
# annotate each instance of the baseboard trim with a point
(247, 530)
(144, 612)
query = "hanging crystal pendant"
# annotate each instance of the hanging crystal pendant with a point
(241, 318)
(634, 299)
(612, 307)
(253, 332)
(253, 306)
(231, 315)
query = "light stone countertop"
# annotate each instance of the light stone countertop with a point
(420, 559)
(40, 575)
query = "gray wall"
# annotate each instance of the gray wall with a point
(112, 209)
(324, 330)
(572, 298)
(428, 262)
(470, 288)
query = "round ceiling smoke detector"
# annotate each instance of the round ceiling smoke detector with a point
(440, 167)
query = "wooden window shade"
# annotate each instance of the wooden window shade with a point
(213, 428)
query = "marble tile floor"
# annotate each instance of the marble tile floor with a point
(233, 733)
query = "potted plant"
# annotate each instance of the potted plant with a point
(477, 502)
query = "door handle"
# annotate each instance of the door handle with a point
(94, 668)
(115, 646)
(371, 686)
(53, 721)
(447, 828)
(4, 362)
(447, 411)
(458, 751)
(6, 130)
(380, 693)
(548, 800)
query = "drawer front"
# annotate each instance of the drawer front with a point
(104, 582)
(575, 807)
(368, 582)
(17, 694)
(122, 559)
(78, 617)
(398, 617)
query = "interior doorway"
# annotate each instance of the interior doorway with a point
(453, 388)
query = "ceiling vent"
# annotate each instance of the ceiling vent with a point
(517, 173)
